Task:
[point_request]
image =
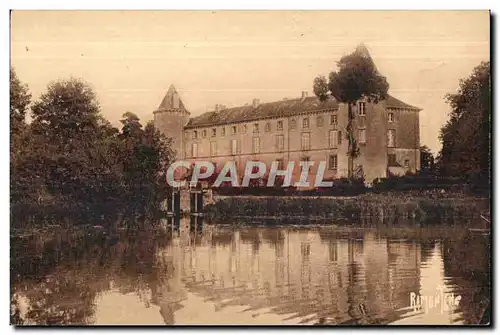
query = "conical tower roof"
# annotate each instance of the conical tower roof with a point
(172, 100)
(362, 50)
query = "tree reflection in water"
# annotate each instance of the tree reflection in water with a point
(302, 275)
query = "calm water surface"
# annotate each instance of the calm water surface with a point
(220, 274)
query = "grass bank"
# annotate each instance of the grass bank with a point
(385, 207)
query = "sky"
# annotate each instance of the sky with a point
(231, 57)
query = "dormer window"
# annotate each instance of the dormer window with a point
(255, 127)
(268, 127)
(305, 122)
(390, 117)
(333, 119)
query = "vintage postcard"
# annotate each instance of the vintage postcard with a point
(313, 168)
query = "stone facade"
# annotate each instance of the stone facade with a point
(296, 130)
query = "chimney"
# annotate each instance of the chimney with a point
(255, 103)
(304, 95)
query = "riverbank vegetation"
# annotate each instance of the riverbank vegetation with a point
(70, 160)
(388, 207)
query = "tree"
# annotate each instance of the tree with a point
(426, 160)
(67, 112)
(146, 155)
(20, 98)
(356, 78)
(24, 181)
(70, 157)
(466, 137)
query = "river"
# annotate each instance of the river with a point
(218, 273)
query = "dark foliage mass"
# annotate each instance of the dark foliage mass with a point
(466, 137)
(69, 156)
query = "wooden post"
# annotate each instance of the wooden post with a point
(192, 197)
(199, 202)
(177, 203)
(169, 202)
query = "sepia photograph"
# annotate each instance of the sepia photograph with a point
(315, 168)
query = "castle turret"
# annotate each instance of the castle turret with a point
(170, 118)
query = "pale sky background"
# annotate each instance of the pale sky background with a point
(131, 58)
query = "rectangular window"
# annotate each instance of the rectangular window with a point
(255, 128)
(391, 138)
(390, 117)
(339, 137)
(204, 133)
(234, 147)
(256, 145)
(280, 125)
(293, 124)
(332, 162)
(213, 148)
(305, 122)
(305, 141)
(194, 150)
(214, 132)
(407, 163)
(223, 131)
(245, 129)
(361, 108)
(195, 134)
(280, 143)
(233, 130)
(319, 121)
(362, 135)
(332, 139)
(281, 163)
(391, 160)
(305, 159)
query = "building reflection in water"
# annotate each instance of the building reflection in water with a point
(215, 274)
(352, 277)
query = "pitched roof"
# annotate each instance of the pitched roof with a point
(392, 102)
(171, 100)
(282, 108)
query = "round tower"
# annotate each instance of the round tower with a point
(170, 118)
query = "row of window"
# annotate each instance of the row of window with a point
(279, 126)
(333, 162)
(334, 139)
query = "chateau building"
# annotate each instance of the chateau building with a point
(297, 129)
